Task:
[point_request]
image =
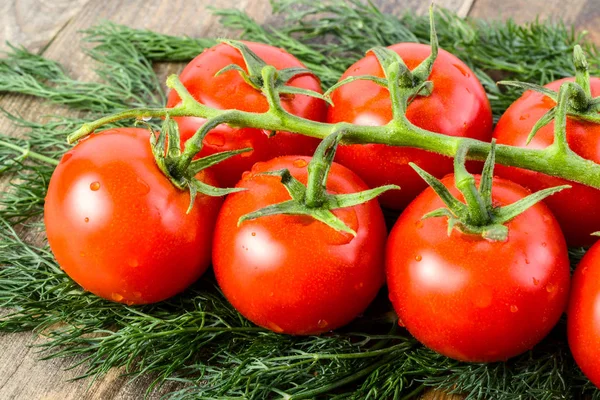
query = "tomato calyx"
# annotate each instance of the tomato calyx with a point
(578, 99)
(478, 215)
(313, 200)
(397, 74)
(256, 69)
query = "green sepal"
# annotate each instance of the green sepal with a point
(389, 59)
(543, 121)
(313, 200)
(380, 81)
(254, 77)
(195, 186)
(478, 216)
(531, 86)
(306, 92)
(422, 72)
(582, 73)
(213, 159)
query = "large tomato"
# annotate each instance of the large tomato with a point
(575, 209)
(458, 106)
(230, 91)
(294, 274)
(117, 225)
(583, 316)
(472, 299)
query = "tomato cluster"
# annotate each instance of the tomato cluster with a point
(120, 228)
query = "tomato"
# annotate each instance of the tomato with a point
(472, 299)
(294, 274)
(575, 209)
(583, 315)
(458, 106)
(230, 91)
(119, 228)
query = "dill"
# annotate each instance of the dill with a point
(197, 341)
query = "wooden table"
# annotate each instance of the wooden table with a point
(51, 28)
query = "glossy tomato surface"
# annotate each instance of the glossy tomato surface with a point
(472, 299)
(583, 316)
(576, 209)
(294, 274)
(458, 106)
(230, 91)
(119, 228)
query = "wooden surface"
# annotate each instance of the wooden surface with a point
(51, 28)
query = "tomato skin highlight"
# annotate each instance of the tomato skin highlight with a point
(458, 106)
(575, 209)
(230, 91)
(583, 315)
(294, 274)
(118, 227)
(471, 299)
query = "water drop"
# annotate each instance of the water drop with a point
(271, 294)
(86, 219)
(95, 186)
(116, 296)
(146, 118)
(584, 270)
(468, 90)
(527, 261)
(215, 139)
(274, 327)
(137, 295)
(300, 163)
(133, 263)
(66, 158)
(253, 233)
(514, 309)
(550, 288)
(462, 70)
(524, 117)
(544, 244)
(419, 224)
(142, 186)
(359, 285)
(322, 324)
(418, 258)
(536, 281)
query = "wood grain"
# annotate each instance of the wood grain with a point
(52, 27)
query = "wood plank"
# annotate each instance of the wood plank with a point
(524, 11)
(33, 23)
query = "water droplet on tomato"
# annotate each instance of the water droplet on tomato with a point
(536, 281)
(322, 324)
(584, 270)
(116, 296)
(524, 117)
(527, 261)
(514, 309)
(215, 139)
(551, 288)
(400, 323)
(418, 258)
(462, 70)
(133, 263)
(300, 163)
(419, 224)
(271, 294)
(274, 327)
(66, 157)
(253, 233)
(95, 186)
(359, 285)
(544, 244)
(468, 90)
(86, 219)
(483, 298)
(137, 295)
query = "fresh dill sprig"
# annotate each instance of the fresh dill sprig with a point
(197, 340)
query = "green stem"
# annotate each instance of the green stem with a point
(396, 133)
(29, 154)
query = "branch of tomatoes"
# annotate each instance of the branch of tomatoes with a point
(574, 99)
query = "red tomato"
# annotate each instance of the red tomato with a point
(119, 228)
(294, 274)
(575, 209)
(230, 91)
(472, 299)
(583, 316)
(458, 106)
